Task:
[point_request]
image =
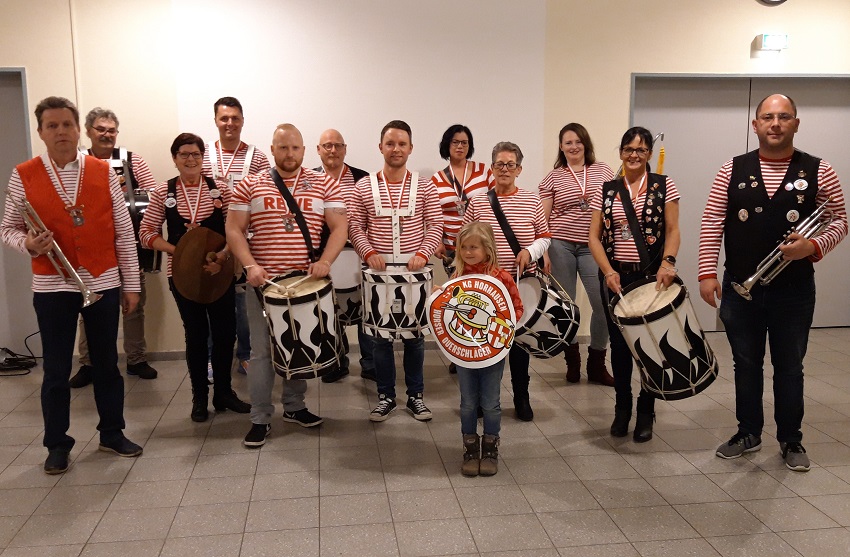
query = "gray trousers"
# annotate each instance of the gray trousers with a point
(568, 260)
(261, 374)
(135, 346)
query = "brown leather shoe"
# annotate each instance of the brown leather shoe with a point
(596, 370)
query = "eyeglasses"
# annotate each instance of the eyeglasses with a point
(105, 131)
(502, 165)
(186, 156)
(461, 142)
(330, 146)
(768, 117)
(640, 151)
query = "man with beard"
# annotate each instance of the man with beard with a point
(133, 172)
(278, 246)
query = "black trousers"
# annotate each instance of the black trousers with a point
(57, 314)
(216, 320)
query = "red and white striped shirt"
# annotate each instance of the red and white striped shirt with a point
(154, 218)
(232, 162)
(273, 247)
(371, 234)
(13, 233)
(346, 183)
(714, 216)
(567, 220)
(625, 250)
(525, 214)
(140, 169)
(478, 179)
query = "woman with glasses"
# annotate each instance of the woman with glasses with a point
(456, 184)
(566, 194)
(183, 203)
(526, 219)
(634, 233)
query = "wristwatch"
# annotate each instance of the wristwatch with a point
(670, 259)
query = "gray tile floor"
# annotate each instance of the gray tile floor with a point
(350, 487)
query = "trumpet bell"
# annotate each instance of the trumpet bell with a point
(90, 297)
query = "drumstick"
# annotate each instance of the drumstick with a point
(276, 285)
(297, 282)
(651, 302)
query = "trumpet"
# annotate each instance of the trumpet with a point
(773, 264)
(60, 262)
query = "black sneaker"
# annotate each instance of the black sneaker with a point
(302, 417)
(257, 436)
(383, 409)
(334, 375)
(142, 369)
(81, 378)
(57, 461)
(121, 447)
(417, 407)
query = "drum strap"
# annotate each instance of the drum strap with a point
(506, 226)
(637, 232)
(296, 212)
(393, 212)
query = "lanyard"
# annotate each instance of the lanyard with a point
(71, 199)
(295, 184)
(640, 187)
(583, 184)
(226, 172)
(459, 186)
(192, 213)
(400, 193)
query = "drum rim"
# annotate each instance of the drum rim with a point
(368, 271)
(534, 315)
(652, 316)
(296, 300)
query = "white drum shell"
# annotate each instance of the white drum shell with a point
(304, 331)
(674, 358)
(550, 319)
(395, 302)
(346, 274)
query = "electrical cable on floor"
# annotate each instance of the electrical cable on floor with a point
(12, 363)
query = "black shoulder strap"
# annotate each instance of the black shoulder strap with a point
(458, 187)
(634, 226)
(295, 210)
(503, 222)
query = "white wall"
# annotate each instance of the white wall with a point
(510, 70)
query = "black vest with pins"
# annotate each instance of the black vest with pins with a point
(755, 224)
(651, 219)
(176, 223)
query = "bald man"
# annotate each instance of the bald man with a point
(278, 246)
(332, 150)
(754, 200)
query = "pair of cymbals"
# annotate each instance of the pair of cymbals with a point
(187, 266)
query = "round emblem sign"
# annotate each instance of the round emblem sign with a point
(473, 320)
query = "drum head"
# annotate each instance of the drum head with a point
(293, 285)
(187, 267)
(640, 301)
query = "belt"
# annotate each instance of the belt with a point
(626, 267)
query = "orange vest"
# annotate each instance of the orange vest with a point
(90, 246)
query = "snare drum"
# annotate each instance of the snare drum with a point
(394, 302)
(550, 318)
(345, 274)
(303, 325)
(665, 338)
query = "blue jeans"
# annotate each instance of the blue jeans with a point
(57, 314)
(569, 259)
(480, 387)
(622, 361)
(414, 362)
(782, 315)
(243, 332)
